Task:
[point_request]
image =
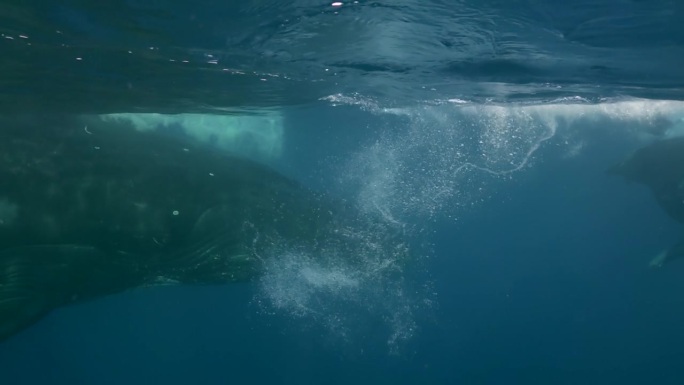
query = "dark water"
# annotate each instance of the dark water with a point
(486, 128)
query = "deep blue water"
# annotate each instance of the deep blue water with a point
(486, 128)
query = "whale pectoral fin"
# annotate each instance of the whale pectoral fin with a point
(36, 279)
(658, 260)
(674, 252)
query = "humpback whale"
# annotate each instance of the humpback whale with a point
(660, 166)
(88, 211)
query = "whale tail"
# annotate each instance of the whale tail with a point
(36, 279)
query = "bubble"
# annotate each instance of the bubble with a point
(342, 289)
(423, 163)
(442, 158)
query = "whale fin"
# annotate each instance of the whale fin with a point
(658, 260)
(674, 252)
(36, 279)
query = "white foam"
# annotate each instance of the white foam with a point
(446, 154)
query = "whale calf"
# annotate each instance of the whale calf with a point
(660, 166)
(87, 211)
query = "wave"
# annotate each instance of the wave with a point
(142, 57)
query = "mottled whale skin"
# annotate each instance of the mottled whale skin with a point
(660, 166)
(87, 211)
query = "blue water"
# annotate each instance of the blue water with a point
(485, 128)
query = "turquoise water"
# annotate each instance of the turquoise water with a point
(483, 129)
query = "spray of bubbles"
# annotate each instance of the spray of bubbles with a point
(438, 159)
(343, 287)
(446, 155)
(443, 155)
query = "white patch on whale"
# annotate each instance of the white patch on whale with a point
(258, 136)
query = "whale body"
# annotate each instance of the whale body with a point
(87, 211)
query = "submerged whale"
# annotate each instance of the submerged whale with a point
(660, 166)
(90, 211)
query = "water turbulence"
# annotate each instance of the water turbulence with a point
(430, 161)
(442, 155)
(424, 163)
(354, 280)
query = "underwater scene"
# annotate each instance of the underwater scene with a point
(354, 192)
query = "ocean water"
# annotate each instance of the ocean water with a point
(483, 129)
